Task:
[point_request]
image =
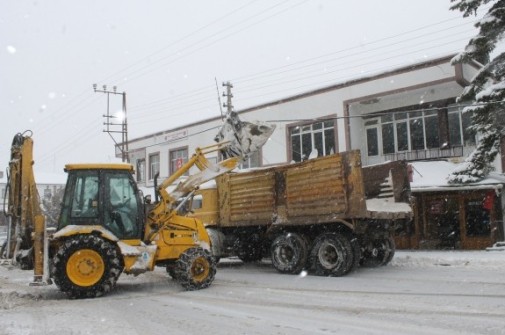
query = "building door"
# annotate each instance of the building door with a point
(477, 228)
(442, 224)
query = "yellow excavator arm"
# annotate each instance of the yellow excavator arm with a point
(238, 140)
(23, 210)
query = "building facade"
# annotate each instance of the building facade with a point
(50, 188)
(409, 113)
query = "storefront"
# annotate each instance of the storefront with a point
(451, 216)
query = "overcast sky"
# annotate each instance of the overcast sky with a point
(167, 54)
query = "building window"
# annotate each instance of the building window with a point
(252, 161)
(141, 170)
(459, 123)
(477, 218)
(47, 193)
(177, 159)
(415, 130)
(154, 165)
(312, 140)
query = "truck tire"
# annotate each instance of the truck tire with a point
(289, 253)
(392, 248)
(86, 266)
(378, 252)
(195, 269)
(331, 255)
(356, 253)
(3, 250)
(248, 249)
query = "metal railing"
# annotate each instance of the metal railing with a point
(436, 153)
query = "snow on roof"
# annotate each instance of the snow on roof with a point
(433, 176)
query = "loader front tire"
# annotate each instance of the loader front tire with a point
(86, 266)
(195, 269)
(289, 253)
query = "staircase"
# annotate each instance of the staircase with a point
(386, 188)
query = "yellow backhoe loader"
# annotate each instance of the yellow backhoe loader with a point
(106, 227)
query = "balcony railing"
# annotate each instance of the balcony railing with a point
(455, 151)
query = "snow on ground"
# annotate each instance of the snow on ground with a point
(419, 292)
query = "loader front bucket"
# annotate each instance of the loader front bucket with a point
(245, 138)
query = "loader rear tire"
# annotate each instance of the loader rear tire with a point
(195, 269)
(86, 266)
(331, 255)
(289, 253)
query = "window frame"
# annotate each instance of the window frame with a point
(302, 129)
(172, 168)
(428, 115)
(151, 172)
(141, 173)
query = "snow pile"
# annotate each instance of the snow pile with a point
(471, 259)
(435, 175)
(387, 205)
(13, 299)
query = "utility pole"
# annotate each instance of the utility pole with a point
(228, 105)
(110, 126)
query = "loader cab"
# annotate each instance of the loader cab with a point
(104, 195)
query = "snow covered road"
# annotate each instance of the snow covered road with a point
(418, 293)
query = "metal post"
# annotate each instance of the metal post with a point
(109, 123)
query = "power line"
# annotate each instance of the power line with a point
(214, 41)
(331, 54)
(245, 89)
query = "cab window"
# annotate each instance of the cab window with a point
(122, 216)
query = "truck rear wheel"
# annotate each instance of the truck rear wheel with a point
(378, 252)
(249, 249)
(86, 266)
(331, 255)
(289, 253)
(195, 269)
(3, 250)
(356, 253)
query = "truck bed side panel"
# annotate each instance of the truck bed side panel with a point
(314, 191)
(247, 198)
(316, 188)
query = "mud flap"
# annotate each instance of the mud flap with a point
(245, 138)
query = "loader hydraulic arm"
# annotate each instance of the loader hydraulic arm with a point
(165, 208)
(237, 140)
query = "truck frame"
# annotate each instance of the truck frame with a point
(325, 215)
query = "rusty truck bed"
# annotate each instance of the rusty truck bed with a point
(320, 190)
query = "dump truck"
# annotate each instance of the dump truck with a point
(106, 227)
(325, 215)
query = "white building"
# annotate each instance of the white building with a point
(409, 113)
(48, 184)
(406, 113)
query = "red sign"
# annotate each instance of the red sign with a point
(178, 163)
